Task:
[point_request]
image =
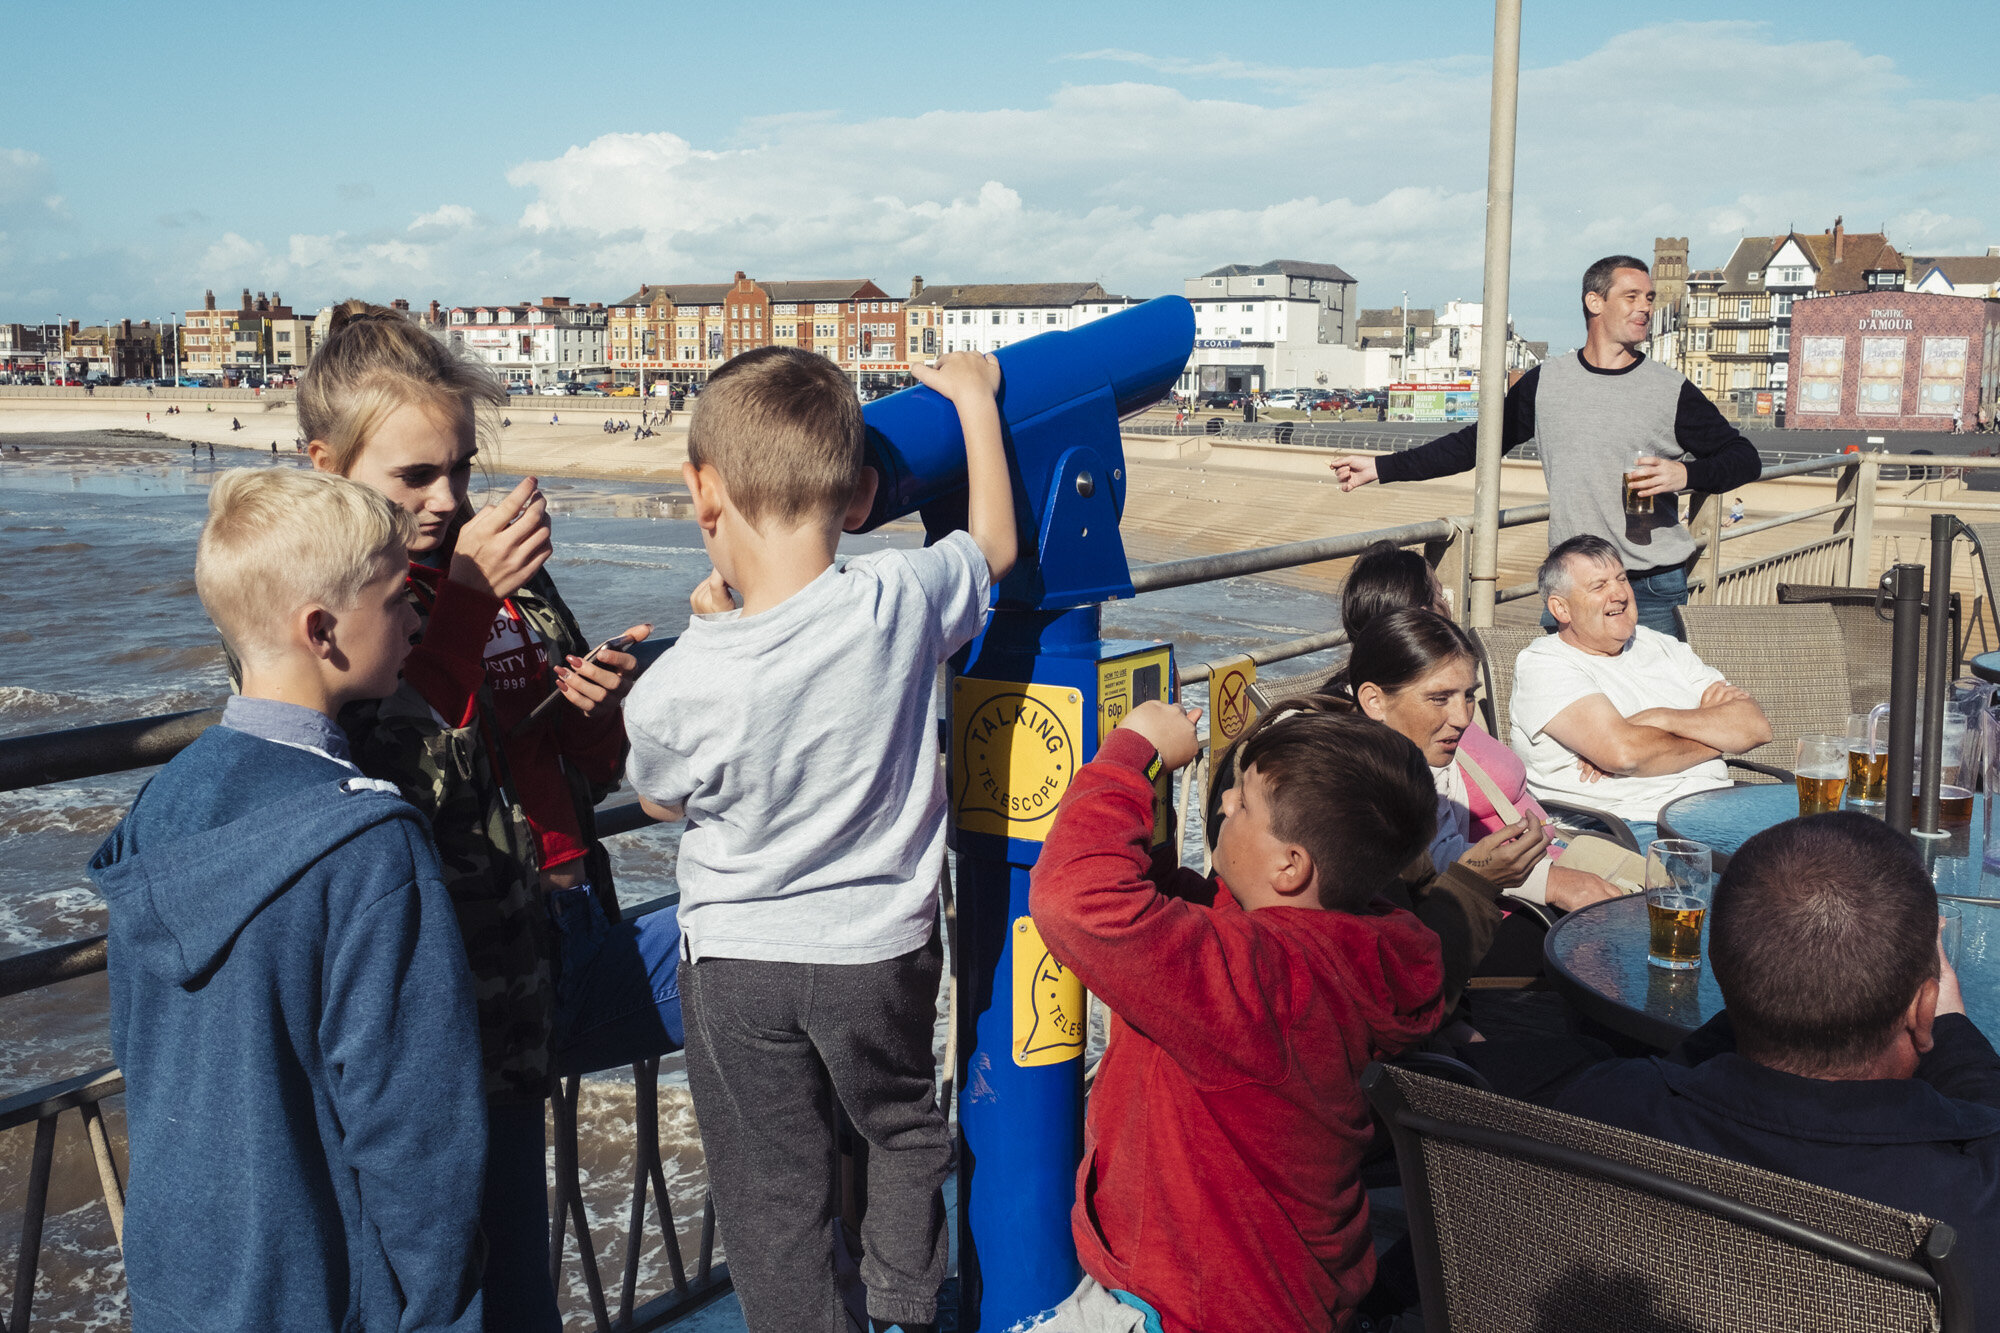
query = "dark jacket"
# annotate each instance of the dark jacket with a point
(447, 767)
(292, 1010)
(1929, 1144)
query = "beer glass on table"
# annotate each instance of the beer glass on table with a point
(1679, 888)
(1636, 503)
(1868, 756)
(1955, 779)
(1821, 771)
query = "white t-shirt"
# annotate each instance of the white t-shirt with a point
(802, 742)
(1655, 671)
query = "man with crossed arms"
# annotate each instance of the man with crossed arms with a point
(1611, 714)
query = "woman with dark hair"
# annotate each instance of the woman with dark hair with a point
(1386, 577)
(1413, 671)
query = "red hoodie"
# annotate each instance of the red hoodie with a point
(1221, 1176)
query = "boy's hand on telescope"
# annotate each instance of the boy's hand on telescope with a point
(711, 595)
(500, 547)
(1169, 730)
(1353, 471)
(602, 683)
(960, 376)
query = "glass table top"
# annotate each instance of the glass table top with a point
(1597, 956)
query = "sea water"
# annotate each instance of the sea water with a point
(99, 622)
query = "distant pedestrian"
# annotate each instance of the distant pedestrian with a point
(211, 453)
(552, 418)
(274, 448)
(1958, 418)
(194, 451)
(1736, 511)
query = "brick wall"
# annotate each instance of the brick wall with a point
(1891, 360)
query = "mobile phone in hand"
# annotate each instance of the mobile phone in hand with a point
(623, 643)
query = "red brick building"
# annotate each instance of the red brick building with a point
(1893, 360)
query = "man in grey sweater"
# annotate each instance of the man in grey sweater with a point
(1599, 415)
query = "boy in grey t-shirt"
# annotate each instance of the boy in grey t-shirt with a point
(796, 737)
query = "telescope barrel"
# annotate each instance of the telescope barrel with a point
(1132, 358)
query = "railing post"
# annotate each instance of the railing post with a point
(1705, 524)
(1447, 558)
(1867, 477)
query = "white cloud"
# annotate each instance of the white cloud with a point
(444, 217)
(1706, 130)
(1380, 169)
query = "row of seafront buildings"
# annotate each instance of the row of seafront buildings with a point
(1834, 329)
(1280, 324)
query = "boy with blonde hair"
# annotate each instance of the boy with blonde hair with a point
(797, 736)
(289, 997)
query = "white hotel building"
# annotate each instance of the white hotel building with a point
(533, 344)
(1279, 325)
(988, 316)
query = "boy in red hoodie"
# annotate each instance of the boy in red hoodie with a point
(1221, 1181)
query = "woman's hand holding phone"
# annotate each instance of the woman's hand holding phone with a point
(601, 679)
(500, 548)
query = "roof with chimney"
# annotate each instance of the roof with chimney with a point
(715, 293)
(1039, 295)
(1291, 268)
(1841, 259)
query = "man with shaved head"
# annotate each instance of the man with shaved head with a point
(1844, 1056)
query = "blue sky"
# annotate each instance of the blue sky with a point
(503, 151)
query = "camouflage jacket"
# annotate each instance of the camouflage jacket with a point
(490, 857)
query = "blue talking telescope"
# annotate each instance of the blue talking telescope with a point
(1061, 398)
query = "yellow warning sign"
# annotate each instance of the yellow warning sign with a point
(1123, 683)
(1050, 1022)
(1230, 709)
(1015, 754)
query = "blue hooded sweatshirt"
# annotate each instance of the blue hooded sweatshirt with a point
(292, 1009)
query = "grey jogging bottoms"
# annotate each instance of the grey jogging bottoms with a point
(769, 1045)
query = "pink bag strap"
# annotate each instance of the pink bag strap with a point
(1490, 789)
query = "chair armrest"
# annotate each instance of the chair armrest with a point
(1541, 912)
(1620, 831)
(1752, 766)
(1445, 1067)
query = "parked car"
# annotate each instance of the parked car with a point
(515, 389)
(557, 390)
(587, 391)
(625, 391)
(1285, 398)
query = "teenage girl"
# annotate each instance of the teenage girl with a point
(562, 985)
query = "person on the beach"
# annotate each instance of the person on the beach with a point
(816, 826)
(290, 1004)
(564, 987)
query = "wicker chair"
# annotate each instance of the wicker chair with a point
(1524, 1220)
(1498, 648)
(1792, 660)
(1869, 638)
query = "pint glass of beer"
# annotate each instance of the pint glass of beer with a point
(1868, 756)
(1636, 503)
(1679, 888)
(1821, 769)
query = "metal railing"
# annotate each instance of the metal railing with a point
(35, 760)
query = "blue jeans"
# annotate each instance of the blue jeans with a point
(1655, 598)
(618, 996)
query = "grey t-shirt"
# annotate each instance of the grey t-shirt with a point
(802, 742)
(1589, 424)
